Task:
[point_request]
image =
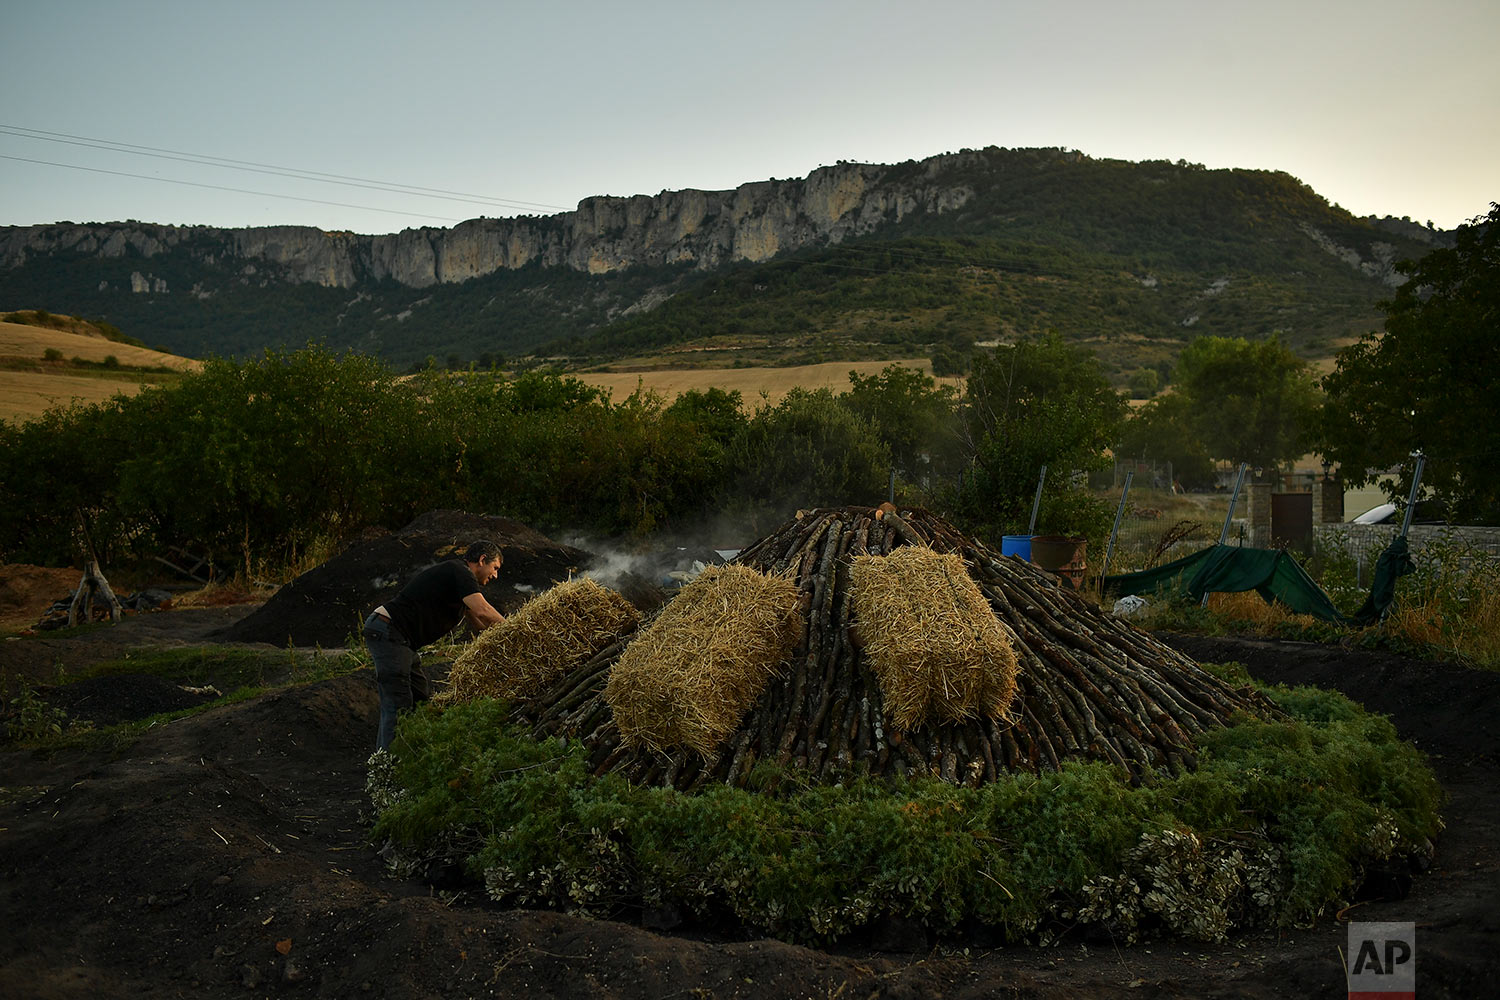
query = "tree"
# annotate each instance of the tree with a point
(1144, 383)
(807, 451)
(915, 415)
(1250, 401)
(1430, 382)
(1164, 431)
(260, 459)
(1031, 404)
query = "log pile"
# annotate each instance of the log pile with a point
(1089, 686)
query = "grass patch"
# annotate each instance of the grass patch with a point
(1278, 824)
(225, 668)
(241, 674)
(1447, 609)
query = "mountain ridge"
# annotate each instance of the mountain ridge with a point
(516, 284)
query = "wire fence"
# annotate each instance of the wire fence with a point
(1159, 525)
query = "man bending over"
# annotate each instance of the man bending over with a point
(426, 609)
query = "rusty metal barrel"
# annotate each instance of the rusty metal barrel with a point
(1063, 555)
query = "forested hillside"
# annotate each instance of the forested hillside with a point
(854, 261)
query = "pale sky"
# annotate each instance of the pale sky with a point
(1384, 108)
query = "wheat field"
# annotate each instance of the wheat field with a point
(20, 341)
(754, 384)
(27, 392)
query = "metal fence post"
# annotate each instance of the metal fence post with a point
(1119, 513)
(1036, 504)
(1229, 517)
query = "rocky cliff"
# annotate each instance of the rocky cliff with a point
(1112, 248)
(604, 234)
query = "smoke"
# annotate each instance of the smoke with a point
(668, 560)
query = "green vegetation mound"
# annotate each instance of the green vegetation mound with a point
(1280, 822)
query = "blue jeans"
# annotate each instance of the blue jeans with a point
(398, 675)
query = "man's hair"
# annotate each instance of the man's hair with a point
(481, 550)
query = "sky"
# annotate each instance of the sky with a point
(376, 116)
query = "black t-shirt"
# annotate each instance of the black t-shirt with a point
(432, 602)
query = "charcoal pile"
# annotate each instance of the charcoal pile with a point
(961, 664)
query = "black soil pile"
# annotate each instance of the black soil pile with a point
(326, 605)
(115, 698)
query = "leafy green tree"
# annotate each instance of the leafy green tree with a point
(716, 413)
(1164, 431)
(1249, 401)
(1431, 381)
(916, 418)
(807, 451)
(1030, 404)
(57, 477)
(1144, 383)
(257, 460)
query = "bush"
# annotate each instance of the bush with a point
(1275, 826)
(807, 451)
(258, 463)
(1451, 603)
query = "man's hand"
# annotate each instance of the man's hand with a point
(480, 613)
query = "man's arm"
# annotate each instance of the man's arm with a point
(480, 613)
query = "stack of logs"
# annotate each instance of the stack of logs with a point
(1090, 686)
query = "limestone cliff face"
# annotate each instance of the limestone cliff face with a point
(1381, 264)
(703, 228)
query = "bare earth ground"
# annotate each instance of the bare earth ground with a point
(225, 855)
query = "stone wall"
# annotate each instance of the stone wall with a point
(1366, 541)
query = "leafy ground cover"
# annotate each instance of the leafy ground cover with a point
(1281, 821)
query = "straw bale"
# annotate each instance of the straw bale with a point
(555, 632)
(932, 640)
(690, 676)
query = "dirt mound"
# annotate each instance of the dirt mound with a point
(1447, 709)
(107, 700)
(326, 605)
(27, 591)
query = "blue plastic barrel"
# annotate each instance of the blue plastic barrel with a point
(1016, 545)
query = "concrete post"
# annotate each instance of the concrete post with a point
(1258, 514)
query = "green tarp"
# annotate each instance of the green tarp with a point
(1272, 573)
(1393, 562)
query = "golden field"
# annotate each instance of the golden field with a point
(30, 386)
(21, 341)
(754, 384)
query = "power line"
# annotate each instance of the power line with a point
(220, 187)
(201, 159)
(109, 145)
